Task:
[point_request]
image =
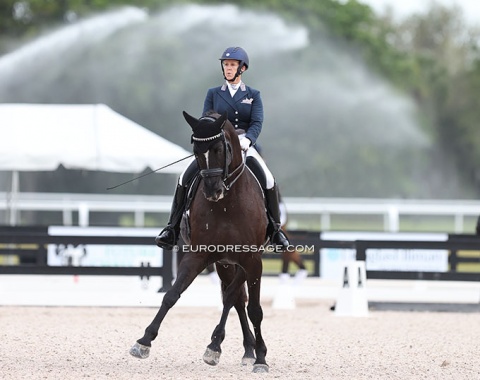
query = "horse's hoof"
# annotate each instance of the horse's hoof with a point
(140, 351)
(248, 361)
(260, 368)
(211, 357)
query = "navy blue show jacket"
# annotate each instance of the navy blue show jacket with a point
(244, 110)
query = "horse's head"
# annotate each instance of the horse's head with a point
(213, 146)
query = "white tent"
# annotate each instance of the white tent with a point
(36, 137)
(41, 137)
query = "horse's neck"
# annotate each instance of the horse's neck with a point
(237, 155)
(245, 184)
(235, 164)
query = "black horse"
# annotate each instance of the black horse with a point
(228, 227)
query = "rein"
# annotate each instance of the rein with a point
(240, 167)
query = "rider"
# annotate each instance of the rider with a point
(243, 105)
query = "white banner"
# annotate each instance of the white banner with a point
(104, 255)
(424, 260)
(333, 260)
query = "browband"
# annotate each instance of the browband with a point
(206, 138)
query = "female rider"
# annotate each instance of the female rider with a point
(244, 108)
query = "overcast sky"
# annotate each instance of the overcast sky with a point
(471, 8)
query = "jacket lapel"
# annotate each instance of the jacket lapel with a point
(239, 95)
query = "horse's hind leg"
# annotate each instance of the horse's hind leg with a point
(189, 268)
(248, 338)
(286, 258)
(255, 312)
(232, 281)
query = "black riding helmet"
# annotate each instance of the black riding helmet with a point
(238, 54)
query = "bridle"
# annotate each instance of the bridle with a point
(224, 172)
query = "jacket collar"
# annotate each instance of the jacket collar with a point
(242, 87)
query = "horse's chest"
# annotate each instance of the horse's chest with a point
(218, 221)
(216, 217)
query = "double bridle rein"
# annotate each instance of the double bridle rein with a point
(216, 172)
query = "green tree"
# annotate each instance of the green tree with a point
(445, 50)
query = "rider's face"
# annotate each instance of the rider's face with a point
(230, 67)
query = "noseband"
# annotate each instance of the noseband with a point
(217, 172)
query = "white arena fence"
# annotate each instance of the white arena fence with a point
(82, 205)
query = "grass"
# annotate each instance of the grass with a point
(274, 266)
(441, 223)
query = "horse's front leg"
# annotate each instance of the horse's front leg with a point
(189, 268)
(255, 312)
(232, 282)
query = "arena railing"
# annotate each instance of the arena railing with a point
(391, 210)
(32, 242)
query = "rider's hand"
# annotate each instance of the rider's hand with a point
(245, 143)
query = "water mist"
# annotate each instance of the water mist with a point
(331, 127)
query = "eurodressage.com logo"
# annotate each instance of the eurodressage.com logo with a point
(239, 248)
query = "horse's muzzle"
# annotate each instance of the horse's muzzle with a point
(214, 195)
(213, 189)
(212, 184)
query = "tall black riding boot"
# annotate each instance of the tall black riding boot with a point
(168, 237)
(278, 237)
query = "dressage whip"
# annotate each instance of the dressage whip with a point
(151, 172)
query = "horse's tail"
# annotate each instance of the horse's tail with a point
(243, 292)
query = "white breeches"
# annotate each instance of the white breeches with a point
(252, 152)
(181, 179)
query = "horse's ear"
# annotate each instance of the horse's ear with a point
(190, 120)
(223, 118)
